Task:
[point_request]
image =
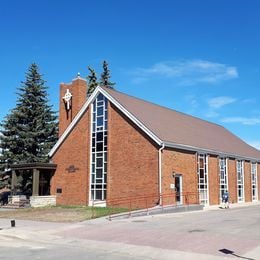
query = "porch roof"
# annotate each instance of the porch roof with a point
(34, 165)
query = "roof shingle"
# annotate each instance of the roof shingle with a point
(176, 127)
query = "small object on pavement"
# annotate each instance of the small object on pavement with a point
(12, 223)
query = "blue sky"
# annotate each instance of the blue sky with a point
(198, 57)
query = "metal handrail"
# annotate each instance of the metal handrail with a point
(148, 201)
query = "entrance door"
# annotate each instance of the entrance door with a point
(178, 188)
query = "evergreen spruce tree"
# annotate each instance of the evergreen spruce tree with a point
(30, 130)
(105, 77)
(92, 81)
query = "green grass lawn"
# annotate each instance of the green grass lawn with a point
(60, 213)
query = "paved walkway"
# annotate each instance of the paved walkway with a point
(210, 234)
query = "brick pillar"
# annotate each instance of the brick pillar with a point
(247, 181)
(232, 180)
(213, 175)
(78, 89)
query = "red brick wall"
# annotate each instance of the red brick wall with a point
(133, 160)
(213, 175)
(180, 162)
(73, 151)
(247, 181)
(78, 89)
(232, 180)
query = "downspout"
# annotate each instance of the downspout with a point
(160, 172)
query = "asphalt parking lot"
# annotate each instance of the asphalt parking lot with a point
(209, 234)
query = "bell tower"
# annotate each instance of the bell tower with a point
(72, 97)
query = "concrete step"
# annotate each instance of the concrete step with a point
(17, 205)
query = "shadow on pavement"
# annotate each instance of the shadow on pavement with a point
(229, 252)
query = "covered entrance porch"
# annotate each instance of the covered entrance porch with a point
(32, 181)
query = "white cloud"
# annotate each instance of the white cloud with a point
(255, 144)
(189, 72)
(191, 100)
(211, 114)
(221, 101)
(242, 120)
(249, 100)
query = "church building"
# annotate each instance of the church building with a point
(113, 146)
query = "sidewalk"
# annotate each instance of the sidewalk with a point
(232, 205)
(41, 240)
(186, 235)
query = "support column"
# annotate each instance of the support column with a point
(14, 180)
(36, 177)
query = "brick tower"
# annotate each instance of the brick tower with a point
(72, 97)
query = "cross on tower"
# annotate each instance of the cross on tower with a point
(67, 98)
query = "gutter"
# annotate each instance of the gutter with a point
(160, 172)
(209, 151)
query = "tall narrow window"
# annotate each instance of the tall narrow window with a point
(240, 181)
(254, 181)
(223, 177)
(99, 149)
(202, 171)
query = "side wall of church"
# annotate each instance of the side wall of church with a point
(184, 163)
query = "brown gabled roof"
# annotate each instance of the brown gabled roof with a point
(182, 129)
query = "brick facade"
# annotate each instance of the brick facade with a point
(72, 173)
(232, 180)
(176, 161)
(70, 182)
(133, 161)
(213, 175)
(247, 181)
(78, 89)
(132, 164)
